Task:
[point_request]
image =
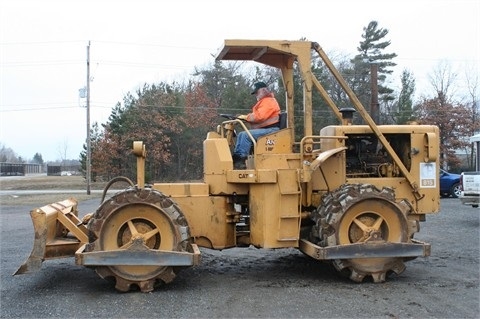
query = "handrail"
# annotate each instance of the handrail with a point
(236, 121)
(302, 141)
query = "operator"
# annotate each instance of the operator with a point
(263, 120)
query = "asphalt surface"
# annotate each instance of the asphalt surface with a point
(253, 283)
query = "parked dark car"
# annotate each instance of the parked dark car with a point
(449, 184)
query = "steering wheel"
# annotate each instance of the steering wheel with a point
(229, 116)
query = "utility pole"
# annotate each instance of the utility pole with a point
(88, 164)
(374, 91)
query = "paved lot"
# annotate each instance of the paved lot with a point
(247, 282)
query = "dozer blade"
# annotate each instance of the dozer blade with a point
(58, 234)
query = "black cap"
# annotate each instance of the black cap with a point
(258, 86)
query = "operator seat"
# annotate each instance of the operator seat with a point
(282, 122)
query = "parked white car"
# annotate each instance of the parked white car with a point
(470, 188)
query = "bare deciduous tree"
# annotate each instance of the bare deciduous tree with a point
(452, 117)
(62, 150)
(442, 79)
(472, 81)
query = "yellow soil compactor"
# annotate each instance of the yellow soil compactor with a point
(353, 195)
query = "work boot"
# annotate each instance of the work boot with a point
(239, 162)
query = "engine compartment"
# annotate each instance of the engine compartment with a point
(366, 156)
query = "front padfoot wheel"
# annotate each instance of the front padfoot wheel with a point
(361, 213)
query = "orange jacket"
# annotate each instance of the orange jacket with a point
(265, 112)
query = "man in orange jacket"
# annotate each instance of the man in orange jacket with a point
(264, 119)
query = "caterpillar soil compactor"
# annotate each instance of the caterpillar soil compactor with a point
(353, 195)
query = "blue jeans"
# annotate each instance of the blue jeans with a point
(244, 143)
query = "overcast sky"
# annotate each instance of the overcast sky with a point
(43, 50)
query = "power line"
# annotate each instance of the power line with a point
(151, 44)
(38, 63)
(39, 42)
(63, 107)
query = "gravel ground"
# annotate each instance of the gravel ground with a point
(250, 282)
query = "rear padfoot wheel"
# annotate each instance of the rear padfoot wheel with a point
(140, 215)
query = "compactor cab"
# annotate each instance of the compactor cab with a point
(350, 194)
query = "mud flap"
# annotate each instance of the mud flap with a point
(58, 234)
(137, 254)
(366, 250)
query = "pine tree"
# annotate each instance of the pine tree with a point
(38, 159)
(371, 51)
(404, 104)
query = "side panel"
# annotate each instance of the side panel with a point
(279, 142)
(211, 219)
(274, 212)
(217, 160)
